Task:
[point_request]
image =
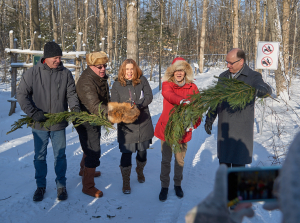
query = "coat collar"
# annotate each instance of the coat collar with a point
(245, 71)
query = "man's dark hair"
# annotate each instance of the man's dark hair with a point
(241, 55)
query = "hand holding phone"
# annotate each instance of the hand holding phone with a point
(252, 184)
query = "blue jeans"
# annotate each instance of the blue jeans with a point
(41, 140)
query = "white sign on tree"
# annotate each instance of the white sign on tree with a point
(267, 55)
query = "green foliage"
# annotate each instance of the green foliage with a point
(76, 117)
(236, 93)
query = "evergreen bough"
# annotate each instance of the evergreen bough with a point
(236, 93)
(76, 117)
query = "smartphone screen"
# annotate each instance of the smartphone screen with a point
(252, 184)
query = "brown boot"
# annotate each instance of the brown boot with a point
(97, 173)
(126, 179)
(88, 183)
(139, 169)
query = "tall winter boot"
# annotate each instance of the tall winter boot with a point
(97, 173)
(126, 179)
(139, 170)
(88, 183)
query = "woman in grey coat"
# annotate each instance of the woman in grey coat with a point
(131, 86)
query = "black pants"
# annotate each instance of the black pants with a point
(126, 157)
(89, 137)
(229, 165)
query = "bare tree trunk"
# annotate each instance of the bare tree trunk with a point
(132, 30)
(116, 33)
(286, 33)
(295, 35)
(61, 22)
(235, 23)
(257, 26)
(77, 16)
(280, 77)
(160, 40)
(109, 29)
(264, 20)
(35, 24)
(96, 46)
(21, 19)
(102, 23)
(202, 38)
(54, 21)
(86, 22)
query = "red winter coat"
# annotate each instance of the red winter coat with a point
(173, 94)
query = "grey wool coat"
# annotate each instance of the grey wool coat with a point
(48, 90)
(235, 127)
(142, 129)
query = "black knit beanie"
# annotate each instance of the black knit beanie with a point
(52, 49)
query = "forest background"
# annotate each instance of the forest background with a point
(155, 31)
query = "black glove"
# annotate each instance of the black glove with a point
(208, 127)
(75, 109)
(261, 91)
(39, 116)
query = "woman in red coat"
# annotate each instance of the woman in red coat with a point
(176, 87)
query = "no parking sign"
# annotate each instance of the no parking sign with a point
(267, 55)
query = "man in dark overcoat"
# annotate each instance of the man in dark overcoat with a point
(235, 126)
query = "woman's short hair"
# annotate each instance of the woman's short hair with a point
(137, 73)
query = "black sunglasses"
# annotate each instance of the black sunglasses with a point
(101, 66)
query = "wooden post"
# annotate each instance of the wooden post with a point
(13, 45)
(78, 59)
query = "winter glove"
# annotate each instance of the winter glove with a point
(39, 116)
(75, 109)
(190, 128)
(185, 101)
(214, 207)
(208, 126)
(261, 91)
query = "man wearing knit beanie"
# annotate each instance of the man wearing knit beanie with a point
(48, 87)
(93, 91)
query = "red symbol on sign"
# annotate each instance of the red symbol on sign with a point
(266, 61)
(268, 49)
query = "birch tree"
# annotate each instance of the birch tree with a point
(281, 79)
(257, 22)
(202, 38)
(132, 30)
(102, 24)
(235, 24)
(54, 24)
(109, 29)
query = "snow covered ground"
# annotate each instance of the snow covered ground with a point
(17, 183)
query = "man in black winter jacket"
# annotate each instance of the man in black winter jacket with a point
(48, 87)
(235, 126)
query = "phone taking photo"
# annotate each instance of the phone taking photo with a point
(252, 184)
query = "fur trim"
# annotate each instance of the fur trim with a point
(122, 112)
(96, 58)
(180, 65)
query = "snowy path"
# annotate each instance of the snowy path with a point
(17, 183)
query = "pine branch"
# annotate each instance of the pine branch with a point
(236, 93)
(77, 118)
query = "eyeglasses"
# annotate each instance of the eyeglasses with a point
(231, 63)
(101, 66)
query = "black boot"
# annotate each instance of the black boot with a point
(62, 194)
(163, 194)
(39, 194)
(178, 191)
